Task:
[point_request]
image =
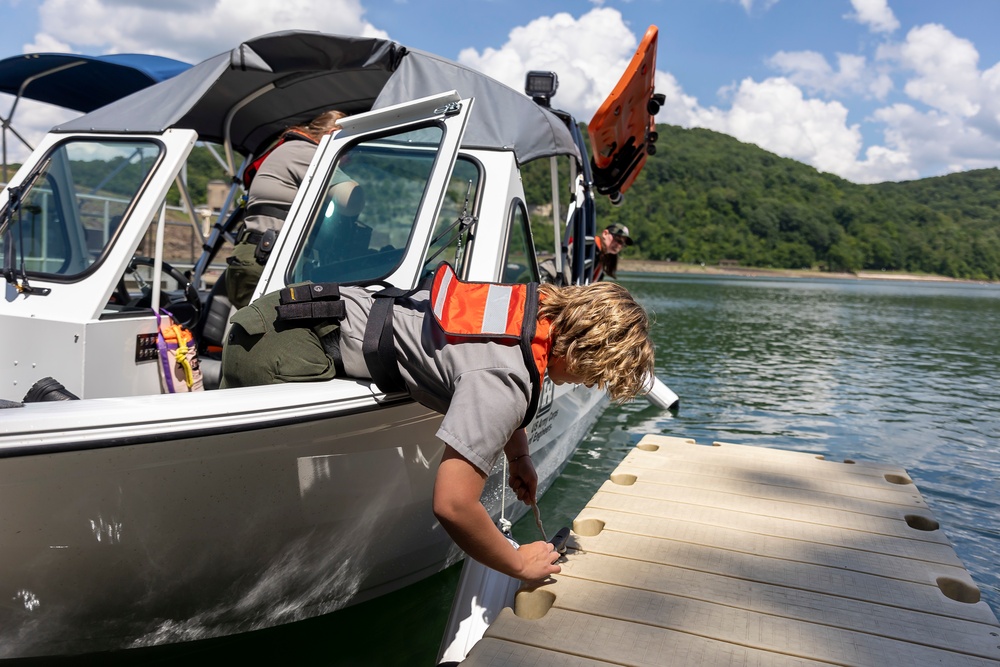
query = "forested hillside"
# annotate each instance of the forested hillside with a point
(706, 197)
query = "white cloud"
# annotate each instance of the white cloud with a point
(764, 5)
(946, 67)
(953, 123)
(45, 43)
(190, 31)
(563, 44)
(876, 14)
(811, 70)
(938, 142)
(776, 116)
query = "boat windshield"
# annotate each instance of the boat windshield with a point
(67, 217)
(364, 224)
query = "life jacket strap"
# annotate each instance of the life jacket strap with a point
(378, 347)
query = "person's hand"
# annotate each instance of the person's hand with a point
(523, 479)
(538, 561)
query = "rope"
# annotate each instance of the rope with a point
(538, 521)
(181, 356)
(503, 524)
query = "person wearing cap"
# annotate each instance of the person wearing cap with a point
(612, 241)
(609, 243)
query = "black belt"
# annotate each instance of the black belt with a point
(263, 242)
(250, 236)
(270, 210)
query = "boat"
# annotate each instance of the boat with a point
(136, 518)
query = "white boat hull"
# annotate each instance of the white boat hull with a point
(246, 520)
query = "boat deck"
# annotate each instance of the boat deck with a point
(737, 555)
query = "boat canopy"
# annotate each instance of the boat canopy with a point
(83, 83)
(250, 94)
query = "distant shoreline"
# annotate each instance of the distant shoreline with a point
(650, 266)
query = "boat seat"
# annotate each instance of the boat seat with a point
(211, 333)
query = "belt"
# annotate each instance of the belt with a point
(250, 236)
(270, 210)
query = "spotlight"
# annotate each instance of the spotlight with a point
(541, 86)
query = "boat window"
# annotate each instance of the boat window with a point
(362, 227)
(519, 265)
(455, 228)
(71, 211)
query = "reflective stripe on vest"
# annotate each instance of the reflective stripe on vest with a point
(494, 310)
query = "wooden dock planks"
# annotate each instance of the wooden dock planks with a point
(735, 555)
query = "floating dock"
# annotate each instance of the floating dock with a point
(738, 555)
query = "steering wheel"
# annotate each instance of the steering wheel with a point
(186, 311)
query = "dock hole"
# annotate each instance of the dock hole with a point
(920, 522)
(959, 591)
(647, 447)
(588, 527)
(897, 479)
(820, 457)
(533, 604)
(850, 461)
(623, 479)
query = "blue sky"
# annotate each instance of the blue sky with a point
(871, 90)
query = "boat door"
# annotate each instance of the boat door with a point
(81, 207)
(370, 202)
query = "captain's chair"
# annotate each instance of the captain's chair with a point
(341, 233)
(341, 241)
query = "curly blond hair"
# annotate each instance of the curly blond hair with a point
(603, 334)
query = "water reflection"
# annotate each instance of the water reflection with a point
(899, 372)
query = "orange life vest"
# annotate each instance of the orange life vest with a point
(494, 311)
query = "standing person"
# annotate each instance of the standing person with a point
(612, 241)
(443, 351)
(272, 188)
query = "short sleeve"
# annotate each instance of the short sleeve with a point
(487, 407)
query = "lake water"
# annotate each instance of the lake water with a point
(898, 372)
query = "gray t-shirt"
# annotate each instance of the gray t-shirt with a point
(481, 387)
(278, 180)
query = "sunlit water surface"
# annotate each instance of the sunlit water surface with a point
(906, 373)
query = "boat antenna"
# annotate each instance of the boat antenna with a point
(462, 223)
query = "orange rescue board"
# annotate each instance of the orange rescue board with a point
(623, 131)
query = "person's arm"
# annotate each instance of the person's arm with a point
(457, 490)
(523, 478)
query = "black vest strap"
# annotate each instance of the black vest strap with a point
(378, 347)
(527, 335)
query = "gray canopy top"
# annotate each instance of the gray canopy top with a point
(272, 82)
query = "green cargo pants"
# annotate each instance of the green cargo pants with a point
(261, 350)
(242, 274)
